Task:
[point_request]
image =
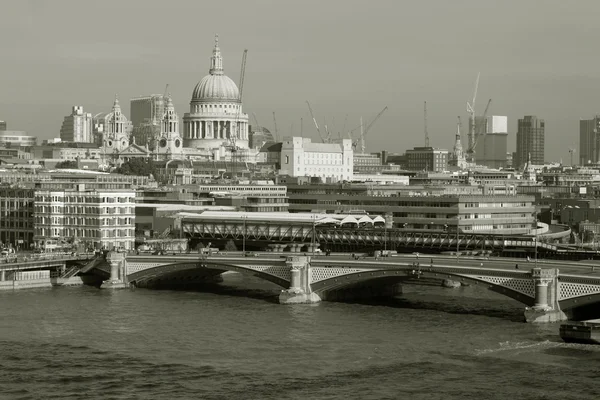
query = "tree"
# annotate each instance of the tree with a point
(137, 166)
(68, 164)
(230, 246)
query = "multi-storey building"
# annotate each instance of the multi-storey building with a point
(16, 217)
(66, 151)
(490, 149)
(589, 140)
(2, 125)
(16, 139)
(530, 140)
(328, 161)
(77, 127)
(96, 218)
(427, 159)
(146, 113)
(420, 209)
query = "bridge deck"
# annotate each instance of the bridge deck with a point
(480, 265)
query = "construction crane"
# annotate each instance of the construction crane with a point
(328, 137)
(276, 133)
(364, 132)
(257, 128)
(571, 152)
(478, 133)
(234, 133)
(315, 121)
(471, 111)
(425, 118)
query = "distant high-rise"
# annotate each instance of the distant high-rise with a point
(146, 115)
(530, 140)
(491, 141)
(2, 125)
(589, 140)
(77, 127)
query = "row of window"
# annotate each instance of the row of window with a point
(84, 233)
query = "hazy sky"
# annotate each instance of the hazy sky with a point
(346, 57)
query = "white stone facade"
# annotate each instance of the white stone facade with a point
(77, 127)
(329, 161)
(113, 130)
(170, 143)
(216, 117)
(102, 219)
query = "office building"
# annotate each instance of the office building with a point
(589, 141)
(146, 114)
(329, 161)
(2, 125)
(96, 218)
(490, 149)
(16, 139)
(77, 127)
(427, 159)
(16, 217)
(530, 141)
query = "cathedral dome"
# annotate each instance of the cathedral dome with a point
(216, 88)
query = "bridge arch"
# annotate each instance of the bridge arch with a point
(274, 274)
(401, 275)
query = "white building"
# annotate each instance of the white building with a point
(77, 127)
(102, 219)
(170, 144)
(216, 117)
(329, 161)
(113, 130)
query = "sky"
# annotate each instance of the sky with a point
(348, 58)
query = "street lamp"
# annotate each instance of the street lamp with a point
(457, 237)
(314, 222)
(536, 236)
(244, 217)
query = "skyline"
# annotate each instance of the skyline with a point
(345, 57)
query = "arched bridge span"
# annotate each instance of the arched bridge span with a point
(307, 279)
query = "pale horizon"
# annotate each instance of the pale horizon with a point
(345, 57)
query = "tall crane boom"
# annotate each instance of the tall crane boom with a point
(366, 130)
(315, 121)
(275, 124)
(471, 111)
(243, 73)
(425, 121)
(478, 132)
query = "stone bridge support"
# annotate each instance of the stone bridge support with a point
(117, 271)
(300, 291)
(546, 293)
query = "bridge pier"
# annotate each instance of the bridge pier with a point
(545, 307)
(117, 271)
(2, 275)
(300, 291)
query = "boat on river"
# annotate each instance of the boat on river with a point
(580, 332)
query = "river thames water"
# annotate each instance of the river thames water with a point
(235, 342)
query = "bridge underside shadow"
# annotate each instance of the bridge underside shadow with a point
(389, 283)
(192, 274)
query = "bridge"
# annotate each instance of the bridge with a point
(301, 233)
(42, 270)
(548, 294)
